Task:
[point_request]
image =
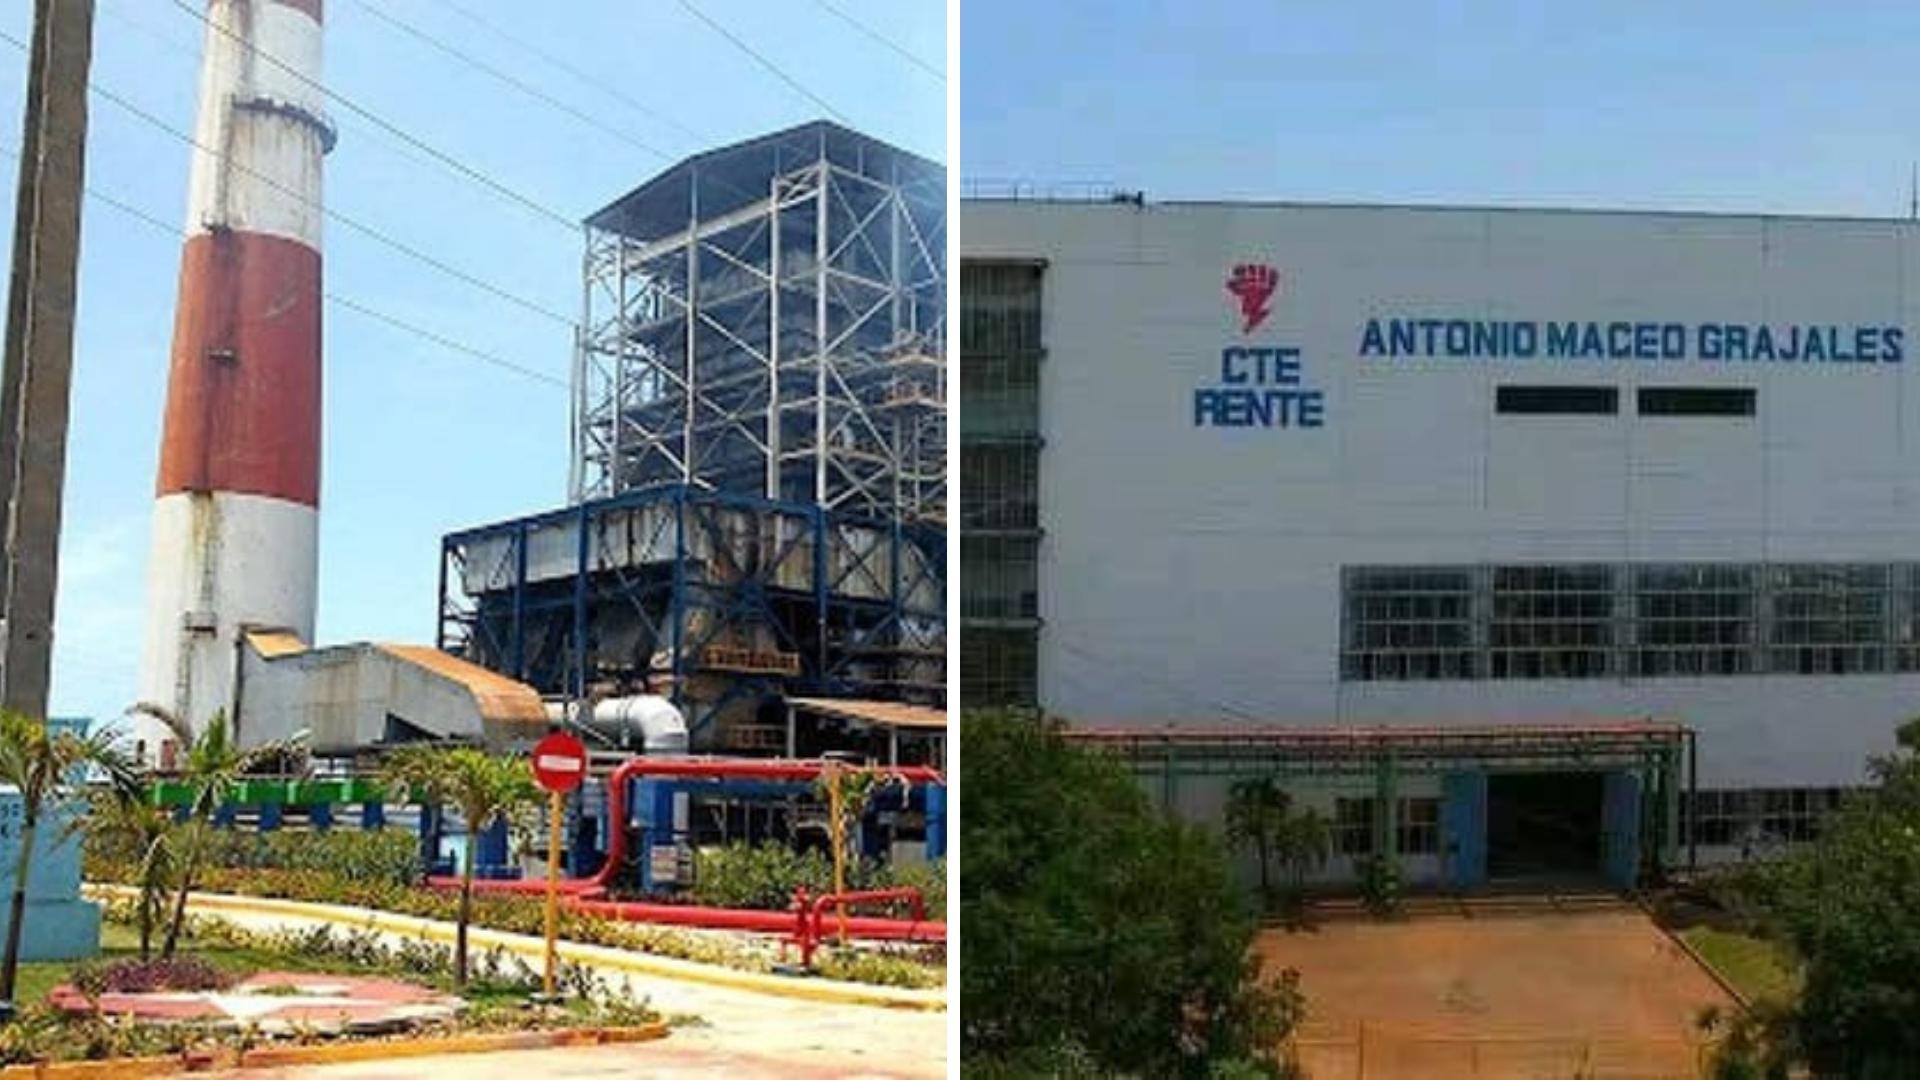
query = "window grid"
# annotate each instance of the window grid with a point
(1551, 622)
(998, 666)
(1640, 620)
(1001, 353)
(1001, 575)
(1828, 620)
(1695, 619)
(1758, 817)
(1419, 829)
(1411, 623)
(1353, 826)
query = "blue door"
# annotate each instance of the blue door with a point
(1620, 829)
(1463, 829)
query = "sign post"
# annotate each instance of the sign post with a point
(559, 764)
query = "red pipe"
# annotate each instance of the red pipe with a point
(765, 922)
(717, 768)
(581, 892)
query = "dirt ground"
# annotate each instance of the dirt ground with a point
(1599, 993)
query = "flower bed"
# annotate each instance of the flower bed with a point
(496, 998)
(916, 967)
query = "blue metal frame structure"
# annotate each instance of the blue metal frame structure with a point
(645, 586)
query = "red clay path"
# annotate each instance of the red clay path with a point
(1495, 994)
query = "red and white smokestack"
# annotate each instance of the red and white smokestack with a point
(235, 523)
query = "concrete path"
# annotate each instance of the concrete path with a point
(741, 1032)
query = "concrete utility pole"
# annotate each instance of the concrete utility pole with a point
(39, 344)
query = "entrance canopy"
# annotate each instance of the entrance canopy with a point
(1642, 761)
(1284, 749)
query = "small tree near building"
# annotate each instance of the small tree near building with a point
(485, 789)
(42, 765)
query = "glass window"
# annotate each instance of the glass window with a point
(1419, 832)
(1694, 619)
(1353, 826)
(1551, 622)
(1410, 623)
(1827, 619)
(998, 666)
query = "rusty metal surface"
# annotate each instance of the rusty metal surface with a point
(500, 699)
(891, 714)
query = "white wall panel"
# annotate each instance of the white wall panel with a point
(1192, 572)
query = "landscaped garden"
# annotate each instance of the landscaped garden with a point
(170, 981)
(379, 870)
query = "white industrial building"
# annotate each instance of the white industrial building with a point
(1248, 468)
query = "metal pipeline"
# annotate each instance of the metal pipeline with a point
(583, 894)
(766, 922)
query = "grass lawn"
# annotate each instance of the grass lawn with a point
(1756, 967)
(121, 942)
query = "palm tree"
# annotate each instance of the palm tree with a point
(484, 789)
(215, 763)
(848, 790)
(130, 820)
(42, 764)
(1256, 817)
(1303, 843)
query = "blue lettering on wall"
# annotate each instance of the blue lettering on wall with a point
(1619, 339)
(1260, 387)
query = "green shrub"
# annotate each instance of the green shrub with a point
(1380, 885)
(511, 914)
(384, 855)
(763, 876)
(757, 875)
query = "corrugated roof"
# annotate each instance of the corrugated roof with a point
(894, 714)
(275, 643)
(497, 697)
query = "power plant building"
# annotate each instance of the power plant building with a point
(1516, 541)
(759, 454)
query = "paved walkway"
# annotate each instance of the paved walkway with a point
(741, 1032)
(1599, 993)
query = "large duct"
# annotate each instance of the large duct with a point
(235, 527)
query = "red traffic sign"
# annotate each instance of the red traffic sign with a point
(559, 762)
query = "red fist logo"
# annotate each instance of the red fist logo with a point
(1253, 284)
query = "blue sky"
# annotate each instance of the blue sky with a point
(419, 440)
(1778, 107)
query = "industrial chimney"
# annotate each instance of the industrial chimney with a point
(235, 522)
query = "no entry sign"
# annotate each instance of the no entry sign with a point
(559, 762)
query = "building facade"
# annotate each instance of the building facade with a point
(1245, 466)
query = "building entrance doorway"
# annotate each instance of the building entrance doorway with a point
(1545, 825)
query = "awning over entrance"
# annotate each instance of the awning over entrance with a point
(1280, 748)
(1636, 768)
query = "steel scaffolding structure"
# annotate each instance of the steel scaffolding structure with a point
(722, 602)
(769, 319)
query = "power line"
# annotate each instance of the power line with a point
(577, 72)
(388, 126)
(352, 223)
(347, 302)
(193, 51)
(447, 342)
(763, 61)
(315, 204)
(521, 85)
(883, 39)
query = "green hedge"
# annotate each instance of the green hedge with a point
(515, 914)
(765, 875)
(382, 855)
